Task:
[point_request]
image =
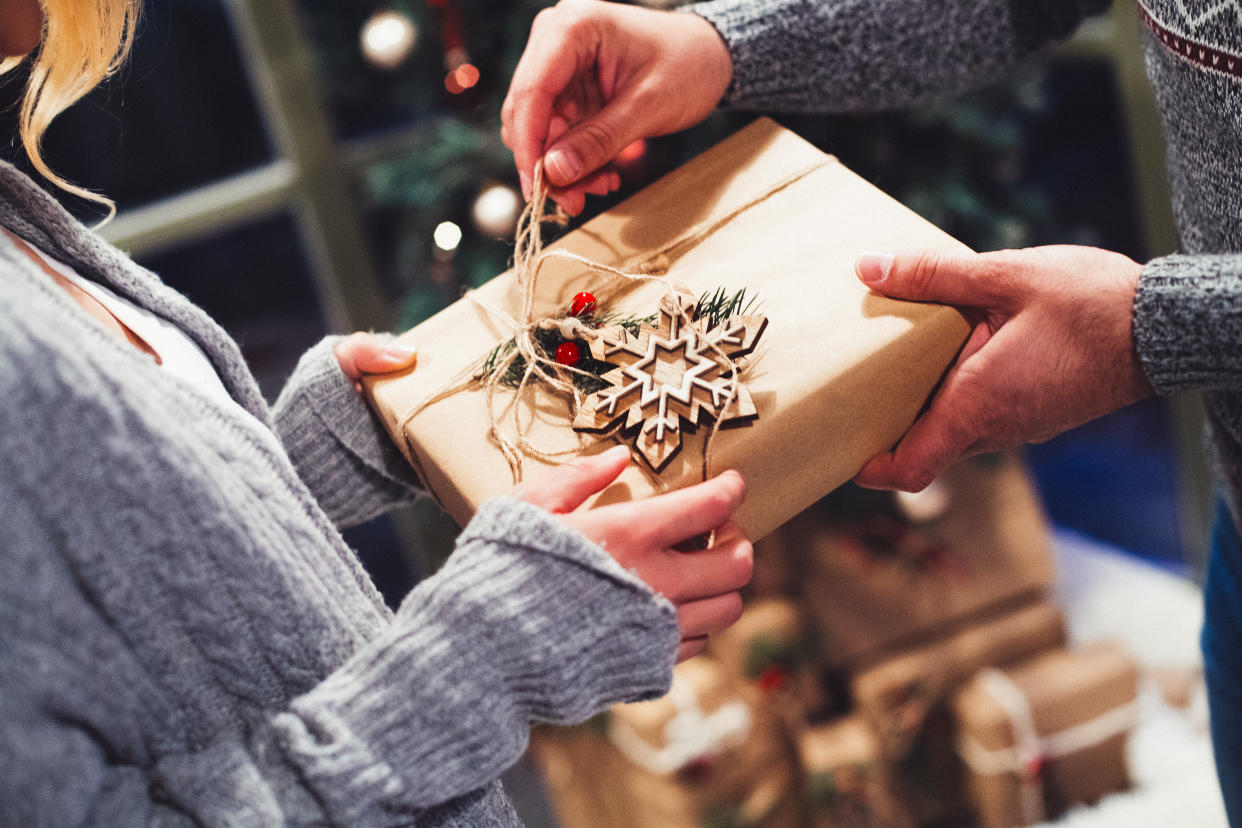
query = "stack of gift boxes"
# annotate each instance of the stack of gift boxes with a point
(900, 662)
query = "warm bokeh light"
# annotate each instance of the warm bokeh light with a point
(447, 236)
(388, 38)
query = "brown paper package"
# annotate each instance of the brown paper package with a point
(754, 781)
(771, 648)
(846, 781)
(1064, 688)
(896, 695)
(839, 374)
(995, 549)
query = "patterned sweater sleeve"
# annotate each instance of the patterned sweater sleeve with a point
(337, 444)
(1188, 322)
(858, 55)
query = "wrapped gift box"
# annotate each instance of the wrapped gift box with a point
(1047, 734)
(898, 694)
(846, 781)
(839, 374)
(707, 753)
(772, 648)
(874, 582)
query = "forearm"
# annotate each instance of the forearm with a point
(856, 55)
(336, 443)
(1188, 322)
(527, 622)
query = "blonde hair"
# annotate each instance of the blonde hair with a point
(83, 42)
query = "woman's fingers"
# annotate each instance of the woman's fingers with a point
(708, 615)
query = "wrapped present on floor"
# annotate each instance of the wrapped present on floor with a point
(709, 753)
(772, 647)
(875, 581)
(588, 342)
(899, 693)
(1047, 734)
(846, 781)
(905, 699)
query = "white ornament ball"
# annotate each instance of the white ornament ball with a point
(496, 210)
(388, 38)
(926, 506)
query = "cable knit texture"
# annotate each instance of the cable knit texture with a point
(186, 638)
(810, 55)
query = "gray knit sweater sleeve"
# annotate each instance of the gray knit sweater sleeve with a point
(337, 444)
(1188, 322)
(482, 622)
(877, 54)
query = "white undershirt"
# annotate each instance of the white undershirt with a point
(179, 355)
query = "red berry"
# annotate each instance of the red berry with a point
(772, 679)
(568, 353)
(583, 303)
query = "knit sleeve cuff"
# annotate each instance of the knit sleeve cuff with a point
(747, 29)
(1188, 322)
(336, 442)
(527, 622)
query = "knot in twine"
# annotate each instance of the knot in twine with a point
(529, 257)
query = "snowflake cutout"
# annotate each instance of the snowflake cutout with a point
(670, 377)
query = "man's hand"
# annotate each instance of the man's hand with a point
(597, 76)
(641, 536)
(1051, 348)
(367, 353)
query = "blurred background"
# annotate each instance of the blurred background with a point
(300, 167)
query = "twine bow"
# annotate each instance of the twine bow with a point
(528, 260)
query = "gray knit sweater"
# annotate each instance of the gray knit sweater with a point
(184, 636)
(874, 54)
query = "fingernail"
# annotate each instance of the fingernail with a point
(524, 179)
(399, 352)
(616, 453)
(873, 267)
(564, 164)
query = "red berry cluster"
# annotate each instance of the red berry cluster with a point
(568, 353)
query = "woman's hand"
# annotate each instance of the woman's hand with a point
(367, 353)
(1051, 349)
(597, 76)
(641, 536)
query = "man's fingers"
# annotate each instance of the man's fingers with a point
(366, 353)
(573, 482)
(935, 441)
(963, 279)
(708, 615)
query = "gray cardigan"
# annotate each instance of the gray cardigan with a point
(804, 55)
(184, 636)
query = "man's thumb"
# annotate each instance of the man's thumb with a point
(964, 279)
(590, 145)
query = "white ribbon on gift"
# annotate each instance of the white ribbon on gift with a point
(688, 735)
(1030, 749)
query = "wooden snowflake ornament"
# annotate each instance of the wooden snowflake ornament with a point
(668, 377)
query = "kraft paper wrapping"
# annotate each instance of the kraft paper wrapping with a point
(899, 694)
(1064, 689)
(994, 550)
(846, 781)
(839, 375)
(750, 770)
